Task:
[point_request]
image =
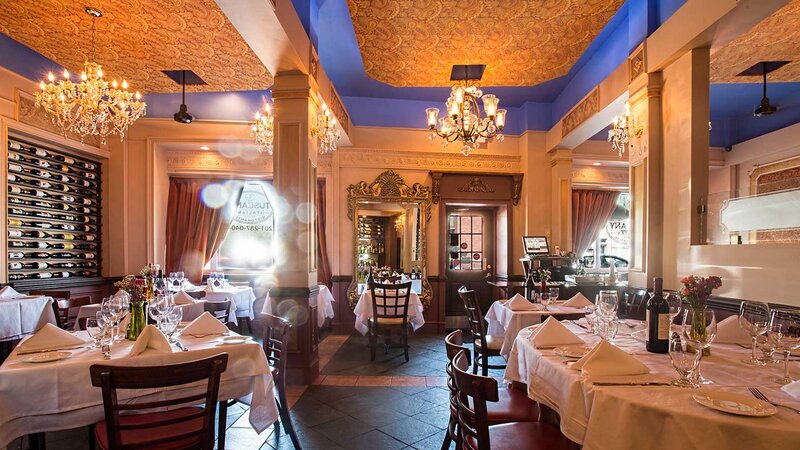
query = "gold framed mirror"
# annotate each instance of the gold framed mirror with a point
(390, 226)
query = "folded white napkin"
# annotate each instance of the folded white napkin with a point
(215, 287)
(519, 303)
(729, 332)
(8, 293)
(577, 301)
(205, 324)
(182, 298)
(553, 333)
(151, 338)
(793, 389)
(49, 337)
(606, 359)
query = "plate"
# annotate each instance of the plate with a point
(46, 357)
(233, 340)
(572, 351)
(739, 405)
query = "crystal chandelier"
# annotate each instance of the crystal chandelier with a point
(326, 131)
(464, 121)
(263, 130)
(623, 130)
(91, 107)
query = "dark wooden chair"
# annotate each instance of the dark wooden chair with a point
(474, 391)
(276, 348)
(67, 310)
(483, 345)
(635, 304)
(513, 405)
(220, 310)
(389, 311)
(57, 295)
(181, 428)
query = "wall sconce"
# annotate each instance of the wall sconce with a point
(623, 130)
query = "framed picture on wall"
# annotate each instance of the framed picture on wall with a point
(535, 245)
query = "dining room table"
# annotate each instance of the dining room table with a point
(324, 302)
(24, 314)
(190, 311)
(633, 415)
(363, 311)
(58, 395)
(241, 297)
(503, 321)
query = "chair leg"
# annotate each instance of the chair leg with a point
(405, 342)
(485, 365)
(372, 344)
(283, 410)
(92, 438)
(475, 360)
(447, 441)
(222, 424)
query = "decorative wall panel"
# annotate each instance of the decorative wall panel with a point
(394, 159)
(522, 43)
(582, 111)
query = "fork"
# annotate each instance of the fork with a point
(760, 395)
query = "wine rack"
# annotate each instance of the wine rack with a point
(371, 239)
(54, 213)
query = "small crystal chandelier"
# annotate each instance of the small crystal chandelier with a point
(623, 129)
(326, 131)
(91, 107)
(464, 122)
(263, 130)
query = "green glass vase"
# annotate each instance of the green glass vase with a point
(138, 320)
(699, 325)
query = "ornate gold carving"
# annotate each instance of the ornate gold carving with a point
(636, 63)
(416, 43)
(436, 189)
(397, 159)
(29, 114)
(183, 160)
(339, 111)
(595, 176)
(774, 177)
(776, 38)
(516, 193)
(138, 39)
(582, 111)
(313, 62)
(475, 184)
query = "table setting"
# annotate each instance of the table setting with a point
(45, 386)
(363, 311)
(507, 317)
(600, 379)
(324, 305)
(217, 289)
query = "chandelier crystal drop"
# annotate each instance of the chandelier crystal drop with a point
(263, 130)
(623, 130)
(326, 131)
(91, 107)
(465, 121)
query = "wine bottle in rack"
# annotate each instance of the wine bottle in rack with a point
(16, 255)
(65, 226)
(37, 255)
(26, 233)
(17, 212)
(15, 168)
(64, 159)
(27, 265)
(65, 265)
(40, 275)
(63, 255)
(41, 173)
(87, 255)
(21, 244)
(89, 237)
(89, 175)
(60, 274)
(38, 152)
(63, 236)
(16, 276)
(14, 146)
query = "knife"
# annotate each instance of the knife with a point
(31, 352)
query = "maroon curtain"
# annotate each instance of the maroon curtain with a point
(323, 266)
(590, 211)
(195, 231)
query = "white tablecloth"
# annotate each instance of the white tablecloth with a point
(324, 305)
(24, 315)
(507, 323)
(363, 312)
(655, 417)
(241, 296)
(191, 311)
(416, 286)
(59, 395)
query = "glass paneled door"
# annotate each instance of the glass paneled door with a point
(469, 258)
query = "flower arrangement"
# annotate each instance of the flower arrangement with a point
(696, 290)
(133, 285)
(139, 288)
(149, 271)
(544, 274)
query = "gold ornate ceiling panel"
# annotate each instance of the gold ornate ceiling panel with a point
(138, 39)
(522, 43)
(776, 38)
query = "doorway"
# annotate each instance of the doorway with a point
(469, 237)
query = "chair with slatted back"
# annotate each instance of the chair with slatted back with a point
(181, 428)
(483, 345)
(220, 310)
(389, 311)
(475, 431)
(513, 404)
(57, 295)
(635, 304)
(67, 310)
(276, 348)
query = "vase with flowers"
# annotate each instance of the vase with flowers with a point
(544, 277)
(139, 288)
(695, 291)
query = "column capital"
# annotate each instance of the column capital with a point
(295, 85)
(560, 155)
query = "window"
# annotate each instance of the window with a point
(248, 246)
(466, 242)
(612, 244)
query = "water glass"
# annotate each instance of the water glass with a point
(171, 321)
(554, 293)
(754, 318)
(607, 328)
(686, 360)
(607, 304)
(784, 332)
(699, 329)
(591, 317)
(95, 330)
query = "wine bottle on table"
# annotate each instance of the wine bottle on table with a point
(657, 319)
(530, 286)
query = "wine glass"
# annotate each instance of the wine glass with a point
(554, 293)
(181, 278)
(119, 307)
(171, 321)
(784, 332)
(699, 329)
(607, 328)
(675, 305)
(607, 304)
(754, 318)
(685, 359)
(94, 329)
(767, 348)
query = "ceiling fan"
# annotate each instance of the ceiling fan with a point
(765, 108)
(183, 115)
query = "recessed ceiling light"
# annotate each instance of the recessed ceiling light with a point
(596, 164)
(205, 147)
